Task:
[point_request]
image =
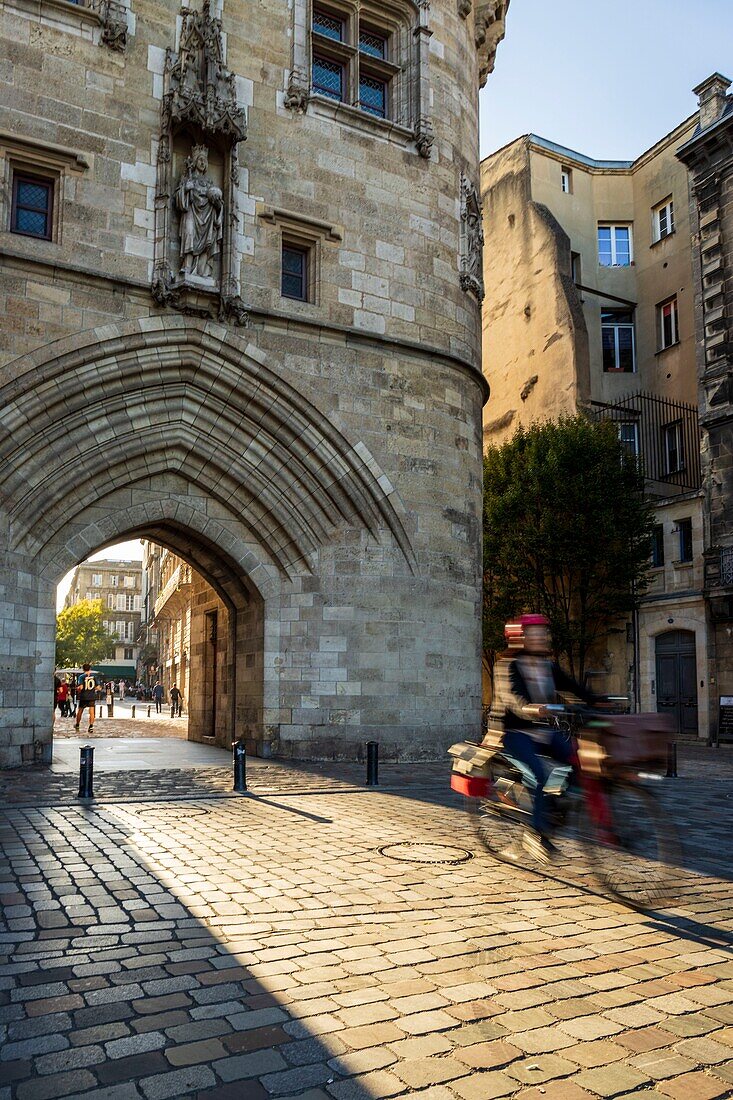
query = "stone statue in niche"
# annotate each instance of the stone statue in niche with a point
(201, 206)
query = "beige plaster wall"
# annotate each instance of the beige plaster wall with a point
(664, 268)
(534, 342)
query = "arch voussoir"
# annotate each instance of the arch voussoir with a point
(272, 448)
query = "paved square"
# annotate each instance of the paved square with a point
(172, 940)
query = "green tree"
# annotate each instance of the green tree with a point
(567, 532)
(80, 635)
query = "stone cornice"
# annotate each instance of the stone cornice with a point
(490, 28)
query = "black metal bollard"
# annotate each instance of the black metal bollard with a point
(101, 711)
(133, 710)
(86, 771)
(148, 712)
(173, 711)
(239, 752)
(372, 778)
(671, 760)
(110, 710)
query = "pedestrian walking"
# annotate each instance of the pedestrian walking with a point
(176, 702)
(87, 689)
(121, 688)
(158, 696)
(62, 698)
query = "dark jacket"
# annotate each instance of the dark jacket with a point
(512, 692)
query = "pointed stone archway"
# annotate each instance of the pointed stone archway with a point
(177, 430)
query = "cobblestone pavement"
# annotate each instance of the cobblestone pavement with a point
(122, 724)
(171, 939)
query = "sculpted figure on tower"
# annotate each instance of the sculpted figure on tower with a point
(201, 205)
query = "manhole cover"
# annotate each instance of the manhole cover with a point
(426, 853)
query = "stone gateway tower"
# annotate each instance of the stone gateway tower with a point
(241, 281)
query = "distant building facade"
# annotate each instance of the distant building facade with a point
(708, 156)
(185, 634)
(118, 584)
(590, 304)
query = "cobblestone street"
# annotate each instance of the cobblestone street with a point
(171, 939)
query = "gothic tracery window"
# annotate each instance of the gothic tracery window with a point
(356, 58)
(368, 57)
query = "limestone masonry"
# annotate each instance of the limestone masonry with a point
(241, 317)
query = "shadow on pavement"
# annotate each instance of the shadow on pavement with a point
(114, 979)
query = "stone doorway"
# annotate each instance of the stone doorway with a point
(222, 696)
(676, 669)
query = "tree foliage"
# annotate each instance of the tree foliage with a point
(80, 635)
(567, 532)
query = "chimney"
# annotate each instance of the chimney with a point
(711, 96)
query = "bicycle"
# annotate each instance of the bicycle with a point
(604, 816)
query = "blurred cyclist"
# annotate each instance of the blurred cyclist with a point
(525, 678)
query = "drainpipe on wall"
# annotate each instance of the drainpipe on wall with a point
(637, 687)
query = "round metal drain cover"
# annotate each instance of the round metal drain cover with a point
(426, 853)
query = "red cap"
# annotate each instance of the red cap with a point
(534, 620)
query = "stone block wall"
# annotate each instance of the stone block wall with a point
(322, 466)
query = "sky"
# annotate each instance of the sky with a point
(125, 551)
(604, 78)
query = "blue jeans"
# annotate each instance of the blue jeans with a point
(523, 748)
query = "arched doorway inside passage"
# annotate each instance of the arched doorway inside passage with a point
(178, 430)
(227, 702)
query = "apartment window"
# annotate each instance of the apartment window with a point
(97, 580)
(129, 603)
(614, 245)
(120, 606)
(658, 546)
(31, 212)
(685, 532)
(667, 324)
(663, 220)
(137, 603)
(89, 596)
(129, 654)
(575, 268)
(674, 458)
(114, 580)
(628, 435)
(129, 582)
(120, 628)
(617, 340)
(566, 180)
(294, 272)
(111, 602)
(351, 60)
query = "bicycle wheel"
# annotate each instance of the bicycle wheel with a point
(501, 819)
(639, 863)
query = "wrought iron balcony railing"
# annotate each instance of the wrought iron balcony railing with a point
(663, 435)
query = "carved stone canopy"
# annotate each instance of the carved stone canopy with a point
(200, 89)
